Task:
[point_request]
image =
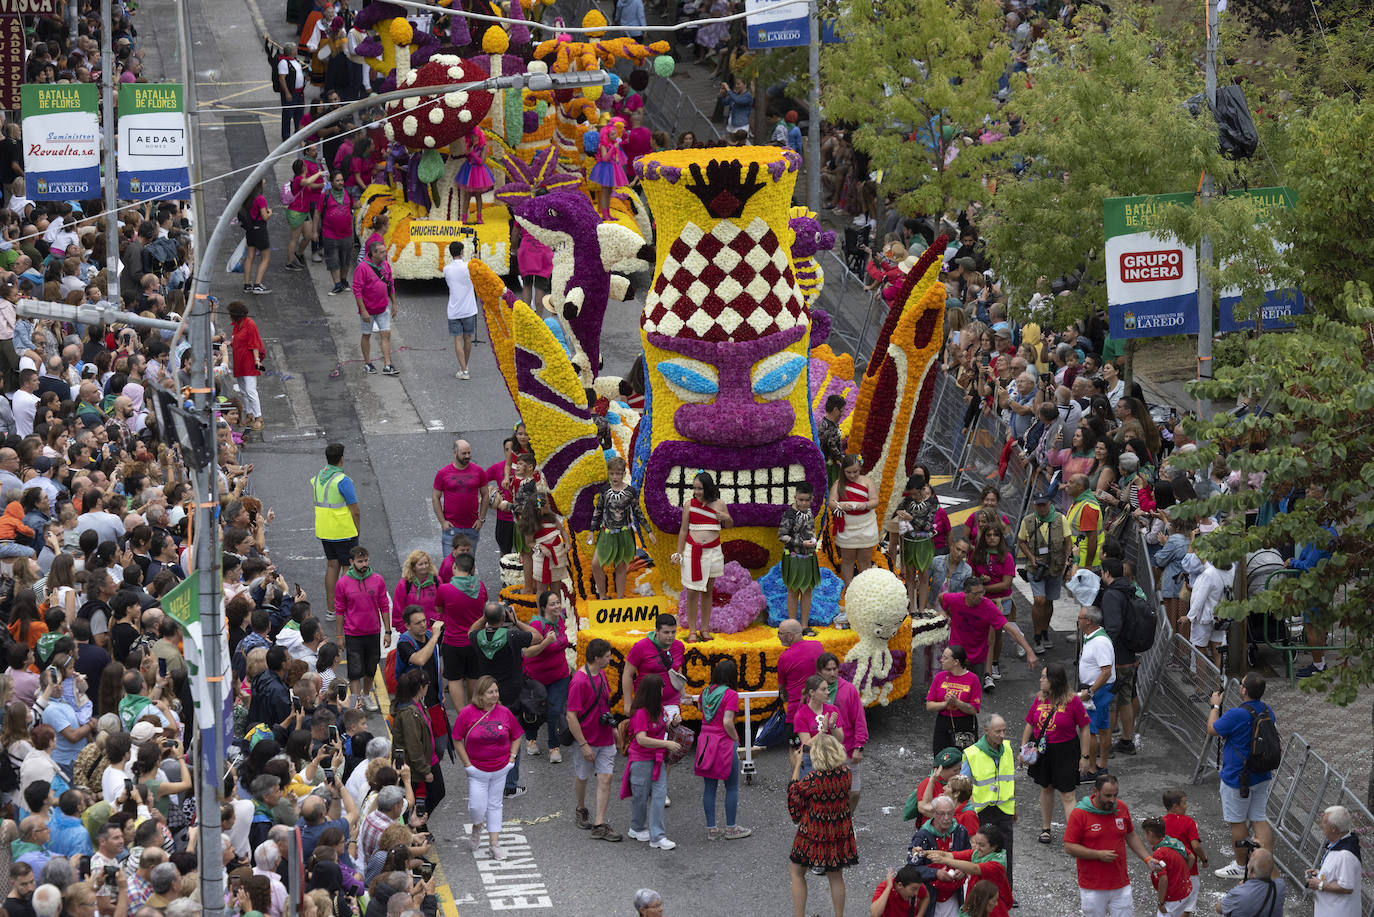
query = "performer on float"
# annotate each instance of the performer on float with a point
(616, 509)
(526, 483)
(609, 171)
(856, 525)
(542, 529)
(699, 554)
(801, 571)
(911, 537)
(473, 178)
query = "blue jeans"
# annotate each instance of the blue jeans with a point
(473, 535)
(708, 797)
(557, 709)
(513, 775)
(649, 797)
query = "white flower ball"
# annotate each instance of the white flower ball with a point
(410, 103)
(410, 125)
(465, 116)
(537, 66)
(436, 114)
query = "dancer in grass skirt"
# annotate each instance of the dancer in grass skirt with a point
(801, 571)
(912, 528)
(615, 511)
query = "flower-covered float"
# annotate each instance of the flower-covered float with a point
(427, 146)
(737, 371)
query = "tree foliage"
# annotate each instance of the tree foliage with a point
(1332, 243)
(1312, 423)
(928, 68)
(1102, 117)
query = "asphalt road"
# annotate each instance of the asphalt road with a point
(399, 431)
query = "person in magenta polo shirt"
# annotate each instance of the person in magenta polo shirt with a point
(546, 661)
(796, 663)
(647, 657)
(853, 720)
(461, 496)
(972, 617)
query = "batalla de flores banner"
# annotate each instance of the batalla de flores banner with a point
(152, 142)
(1280, 304)
(1151, 280)
(61, 141)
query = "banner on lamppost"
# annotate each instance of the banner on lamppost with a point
(61, 141)
(775, 24)
(1280, 303)
(152, 142)
(13, 54)
(182, 604)
(1151, 279)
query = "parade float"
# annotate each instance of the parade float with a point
(427, 146)
(737, 370)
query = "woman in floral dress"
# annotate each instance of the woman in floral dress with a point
(819, 804)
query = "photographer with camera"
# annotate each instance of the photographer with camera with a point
(591, 727)
(1043, 541)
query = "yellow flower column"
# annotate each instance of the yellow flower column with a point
(725, 333)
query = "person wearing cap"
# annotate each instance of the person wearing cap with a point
(945, 764)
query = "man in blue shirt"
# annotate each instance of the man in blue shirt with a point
(69, 835)
(1242, 812)
(794, 134)
(628, 15)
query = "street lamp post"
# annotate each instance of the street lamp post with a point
(207, 560)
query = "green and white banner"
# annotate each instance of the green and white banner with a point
(1151, 280)
(152, 142)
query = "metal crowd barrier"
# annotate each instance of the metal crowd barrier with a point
(1304, 786)
(747, 768)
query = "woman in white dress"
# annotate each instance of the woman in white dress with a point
(854, 498)
(699, 553)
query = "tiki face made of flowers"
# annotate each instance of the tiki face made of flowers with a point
(725, 333)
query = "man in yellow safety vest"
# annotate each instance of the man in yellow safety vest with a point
(991, 764)
(337, 520)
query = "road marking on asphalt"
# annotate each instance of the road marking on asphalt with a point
(297, 396)
(514, 883)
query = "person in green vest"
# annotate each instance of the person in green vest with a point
(1085, 523)
(991, 764)
(337, 521)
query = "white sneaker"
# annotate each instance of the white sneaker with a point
(634, 835)
(531, 747)
(662, 844)
(1231, 870)
(370, 704)
(995, 670)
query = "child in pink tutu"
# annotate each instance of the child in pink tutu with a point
(609, 171)
(473, 175)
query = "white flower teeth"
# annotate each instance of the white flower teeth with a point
(410, 125)
(748, 486)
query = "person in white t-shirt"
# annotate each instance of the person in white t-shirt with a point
(1337, 881)
(1097, 682)
(462, 305)
(25, 402)
(117, 746)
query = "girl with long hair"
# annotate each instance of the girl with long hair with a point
(546, 661)
(854, 496)
(699, 553)
(1054, 743)
(646, 776)
(991, 559)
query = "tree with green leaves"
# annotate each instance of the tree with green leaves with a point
(1308, 424)
(1101, 116)
(914, 77)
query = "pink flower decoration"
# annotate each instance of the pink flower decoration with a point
(738, 600)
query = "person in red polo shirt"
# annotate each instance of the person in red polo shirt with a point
(1172, 884)
(901, 894)
(987, 860)
(1099, 831)
(946, 765)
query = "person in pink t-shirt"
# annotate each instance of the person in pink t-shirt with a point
(646, 776)
(589, 709)
(461, 496)
(657, 654)
(546, 661)
(815, 716)
(955, 697)
(796, 663)
(972, 617)
(459, 603)
(991, 559)
(487, 739)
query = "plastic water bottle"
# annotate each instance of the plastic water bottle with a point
(1139, 743)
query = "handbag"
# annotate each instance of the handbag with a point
(715, 756)
(963, 740)
(685, 738)
(533, 702)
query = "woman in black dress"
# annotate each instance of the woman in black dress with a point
(819, 805)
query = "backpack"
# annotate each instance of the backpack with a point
(9, 774)
(391, 666)
(1139, 621)
(162, 256)
(1266, 749)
